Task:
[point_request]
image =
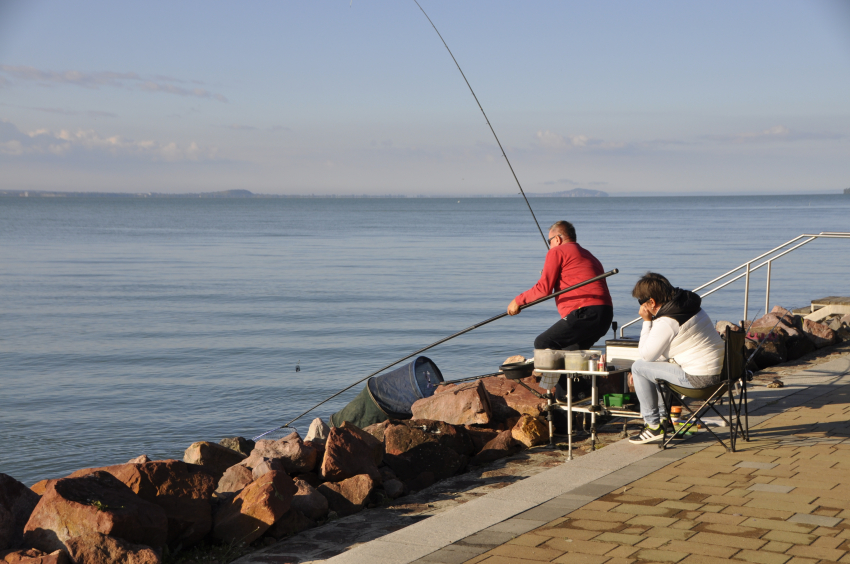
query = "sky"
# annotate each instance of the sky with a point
(361, 97)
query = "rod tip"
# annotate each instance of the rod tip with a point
(615, 271)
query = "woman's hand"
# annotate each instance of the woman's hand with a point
(645, 311)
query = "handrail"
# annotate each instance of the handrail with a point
(749, 269)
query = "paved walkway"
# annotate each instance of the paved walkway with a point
(783, 498)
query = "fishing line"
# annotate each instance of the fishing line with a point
(432, 345)
(521, 191)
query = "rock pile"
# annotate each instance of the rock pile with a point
(241, 492)
(788, 336)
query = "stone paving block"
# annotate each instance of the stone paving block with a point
(585, 547)
(713, 508)
(653, 555)
(529, 539)
(486, 538)
(590, 525)
(786, 536)
(652, 542)
(725, 529)
(726, 500)
(775, 524)
(544, 513)
(496, 559)
(787, 497)
(592, 489)
(730, 540)
(448, 555)
(819, 520)
(623, 551)
(598, 515)
(720, 518)
(619, 538)
(652, 483)
(779, 505)
(774, 488)
(716, 482)
(818, 552)
(828, 542)
(577, 558)
(669, 533)
(658, 493)
(681, 505)
(618, 560)
(600, 505)
(757, 465)
(516, 526)
(643, 510)
(565, 532)
(535, 553)
(710, 490)
(684, 524)
(651, 521)
(701, 548)
(762, 557)
(776, 546)
(832, 502)
(749, 511)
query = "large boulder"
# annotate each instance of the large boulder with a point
(246, 517)
(34, 556)
(214, 458)
(295, 456)
(183, 490)
(235, 479)
(350, 451)
(417, 446)
(377, 429)
(480, 436)
(798, 346)
(769, 354)
(239, 444)
(721, 326)
(97, 548)
(318, 431)
(509, 399)
(350, 495)
(503, 445)
(309, 501)
(16, 505)
(818, 333)
(530, 431)
(459, 404)
(292, 523)
(97, 503)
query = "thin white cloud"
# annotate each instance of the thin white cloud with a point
(95, 80)
(64, 142)
(552, 141)
(774, 134)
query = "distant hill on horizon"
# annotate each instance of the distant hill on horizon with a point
(574, 193)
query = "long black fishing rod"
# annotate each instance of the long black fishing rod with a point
(441, 341)
(521, 191)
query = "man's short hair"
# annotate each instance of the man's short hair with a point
(653, 285)
(565, 228)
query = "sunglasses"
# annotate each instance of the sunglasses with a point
(643, 301)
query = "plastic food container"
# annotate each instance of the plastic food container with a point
(577, 360)
(548, 359)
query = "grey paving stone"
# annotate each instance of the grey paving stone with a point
(594, 489)
(817, 520)
(757, 465)
(487, 538)
(516, 525)
(453, 554)
(546, 513)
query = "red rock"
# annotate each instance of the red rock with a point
(41, 486)
(290, 450)
(309, 502)
(462, 404)
(420, 482)
(214, 458)
(530, 431)
(16, 505)
(96, 548)
(139, 459)
(377, 429)
(721, 326)
(799, 346)
(349, 496)
(818, 333)
(34, 556)
(509, 399)
(292, 523)
(239, 444)
(97, 503)
(480, 436)
(503, 445)
(266, 466)
(250, 514)
(514, 358)
(417, 446)
(235, 479)
(183, 490)
(318, 431)
(350, 451)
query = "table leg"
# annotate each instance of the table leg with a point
(550, 415)
(569, 417)
(594, 402)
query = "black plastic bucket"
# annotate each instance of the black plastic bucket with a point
(396, 391)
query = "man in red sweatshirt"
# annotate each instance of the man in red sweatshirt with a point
(586, 312)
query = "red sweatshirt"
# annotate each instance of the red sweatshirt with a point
(566, 265)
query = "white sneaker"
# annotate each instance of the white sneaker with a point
(648, 435)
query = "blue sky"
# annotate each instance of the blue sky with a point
(361, 97)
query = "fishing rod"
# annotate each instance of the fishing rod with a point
(441, 341)
(521, 191)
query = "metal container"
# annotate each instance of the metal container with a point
(548, 359)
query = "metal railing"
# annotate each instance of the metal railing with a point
(748, 269)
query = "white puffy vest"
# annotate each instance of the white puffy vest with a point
(697, 347)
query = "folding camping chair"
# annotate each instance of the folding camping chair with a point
(733, 387)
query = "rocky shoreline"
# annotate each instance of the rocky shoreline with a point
(225, 499)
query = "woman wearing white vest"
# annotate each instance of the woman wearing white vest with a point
(678, 343)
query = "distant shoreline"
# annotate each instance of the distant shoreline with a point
(246, 194)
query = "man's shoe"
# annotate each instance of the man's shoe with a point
(648, 435)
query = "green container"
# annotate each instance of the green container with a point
(617, 400)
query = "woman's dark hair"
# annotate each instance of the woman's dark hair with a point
(653, 285)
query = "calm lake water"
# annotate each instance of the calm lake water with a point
(133, 326)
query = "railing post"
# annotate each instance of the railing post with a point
(767, 292)
(746, 291)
